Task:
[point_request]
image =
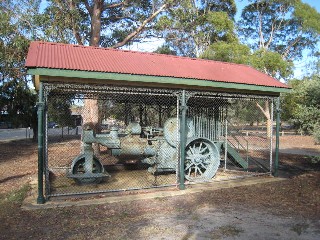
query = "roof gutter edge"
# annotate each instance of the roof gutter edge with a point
(152, 79)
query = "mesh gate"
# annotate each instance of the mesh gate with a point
(237, 130)
(133, 146)
(101, 138)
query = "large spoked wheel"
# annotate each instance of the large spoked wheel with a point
(202, 160)
(79, 168)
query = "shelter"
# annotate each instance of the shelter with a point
(179, 120)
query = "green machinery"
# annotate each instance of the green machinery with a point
(159, 148)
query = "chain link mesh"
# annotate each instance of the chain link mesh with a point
(239, 129)
(120, 130)
(103, 138)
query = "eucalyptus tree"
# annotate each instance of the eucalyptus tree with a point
(17, 100)
(112, 23)
(279, 31)
(301, 105)
(190, 26)
(284, 26)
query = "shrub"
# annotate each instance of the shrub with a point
(316, 134)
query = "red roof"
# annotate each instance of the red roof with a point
(94, 59)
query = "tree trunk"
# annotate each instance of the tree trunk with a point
(267, 114)
(141, 27)
(90, 113)
(96, 22)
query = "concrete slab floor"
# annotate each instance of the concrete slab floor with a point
(30, 203)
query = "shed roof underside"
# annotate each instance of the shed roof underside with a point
(54, 61)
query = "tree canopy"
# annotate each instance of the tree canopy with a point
(98, 22)
(191, 26)
(284, 26)
(17, 100)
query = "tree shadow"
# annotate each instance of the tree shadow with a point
(13, 177)
(15, 149)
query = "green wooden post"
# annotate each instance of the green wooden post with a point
(276, 161)
(183, 106)
(41, 105)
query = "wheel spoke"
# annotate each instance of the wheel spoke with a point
(206, 156)
(205, 148)
(199, 148)
(193, 148)
(188, 166)
(189, 153)
(203, 166)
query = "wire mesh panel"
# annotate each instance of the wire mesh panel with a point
(102, 139)
(229, 136)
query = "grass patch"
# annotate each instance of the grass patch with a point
(300, 228)
(315, 159)
(15, 197)
(226, 231)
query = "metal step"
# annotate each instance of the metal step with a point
(234, 156)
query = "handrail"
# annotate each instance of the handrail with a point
(236, 137)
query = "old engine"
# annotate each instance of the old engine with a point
(159, 148)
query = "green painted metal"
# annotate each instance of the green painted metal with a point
(41, 107)
(276, 161)
(154, 79)
(183, 140)
(235, 156)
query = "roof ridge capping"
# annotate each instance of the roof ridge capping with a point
(138, 52)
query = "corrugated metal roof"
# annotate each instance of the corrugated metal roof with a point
(94, 59)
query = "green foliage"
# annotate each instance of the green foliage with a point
(301, 105)
(228, 52)
(308, 17)
(165, 49)
(56, 24)
(316, 133)
(59, 110)
(191, 26)
(271, 63)
(17, 100)
(71, 21)
(289, 101)
(268, 62)
(243, 112)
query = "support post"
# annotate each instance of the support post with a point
(41, 106)
(276, 161)
(183, 107)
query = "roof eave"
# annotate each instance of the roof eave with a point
(167, 81)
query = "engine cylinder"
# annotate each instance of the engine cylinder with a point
(133, 145)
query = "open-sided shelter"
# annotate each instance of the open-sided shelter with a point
(156, 120)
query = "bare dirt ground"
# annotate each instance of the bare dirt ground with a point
(288, 209)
